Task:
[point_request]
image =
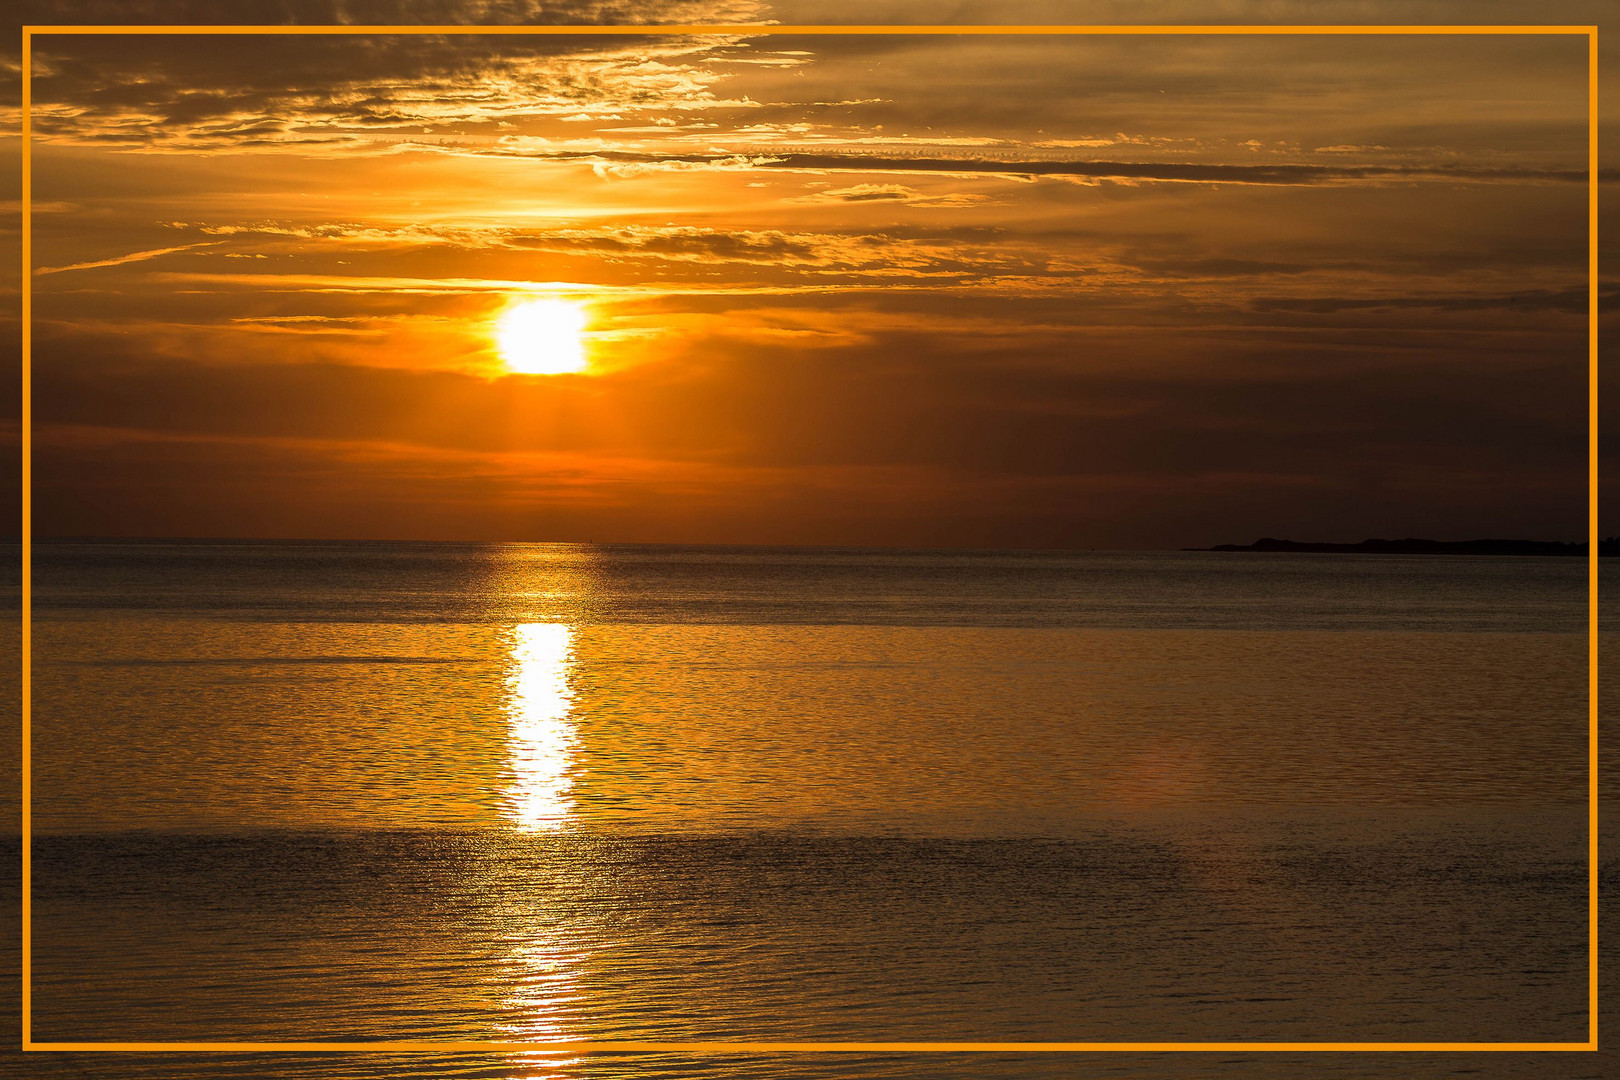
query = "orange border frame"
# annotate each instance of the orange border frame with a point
(649, 1046)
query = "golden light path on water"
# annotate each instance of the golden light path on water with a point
(540, 976)
(542, 739)
(542, 991)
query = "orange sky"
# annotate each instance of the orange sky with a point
(1078, 292)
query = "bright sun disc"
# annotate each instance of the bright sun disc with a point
(542, 337)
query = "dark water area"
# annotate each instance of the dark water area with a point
(1217, 928)
(1147, 930)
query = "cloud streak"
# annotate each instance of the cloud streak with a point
(1171, 171)
(123, 260)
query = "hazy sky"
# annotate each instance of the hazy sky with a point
(1080, 292)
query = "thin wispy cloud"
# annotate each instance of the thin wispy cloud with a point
(122, 260)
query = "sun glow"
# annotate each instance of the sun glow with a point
(542, 337)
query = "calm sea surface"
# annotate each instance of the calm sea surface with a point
(309, 791)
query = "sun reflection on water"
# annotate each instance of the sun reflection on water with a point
(542, 736)
(543, 997)
(540, 972)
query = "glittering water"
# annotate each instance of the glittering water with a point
(534, 792)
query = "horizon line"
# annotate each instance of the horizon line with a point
(219, 539)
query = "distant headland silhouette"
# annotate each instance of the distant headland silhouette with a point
(1416, 546)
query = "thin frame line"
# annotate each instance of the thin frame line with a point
(641, 1046)
(1592, 539)
(27, 539)
(630, 1046)
(819, 30)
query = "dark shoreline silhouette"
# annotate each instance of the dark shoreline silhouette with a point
(1415, 546)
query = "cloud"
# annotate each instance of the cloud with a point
(134, 256)
(267, 91)
(1565, 300)
(1171, 171)
(891, 193)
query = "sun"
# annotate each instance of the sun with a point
(542, 337)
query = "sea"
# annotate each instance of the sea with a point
(533, 793)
